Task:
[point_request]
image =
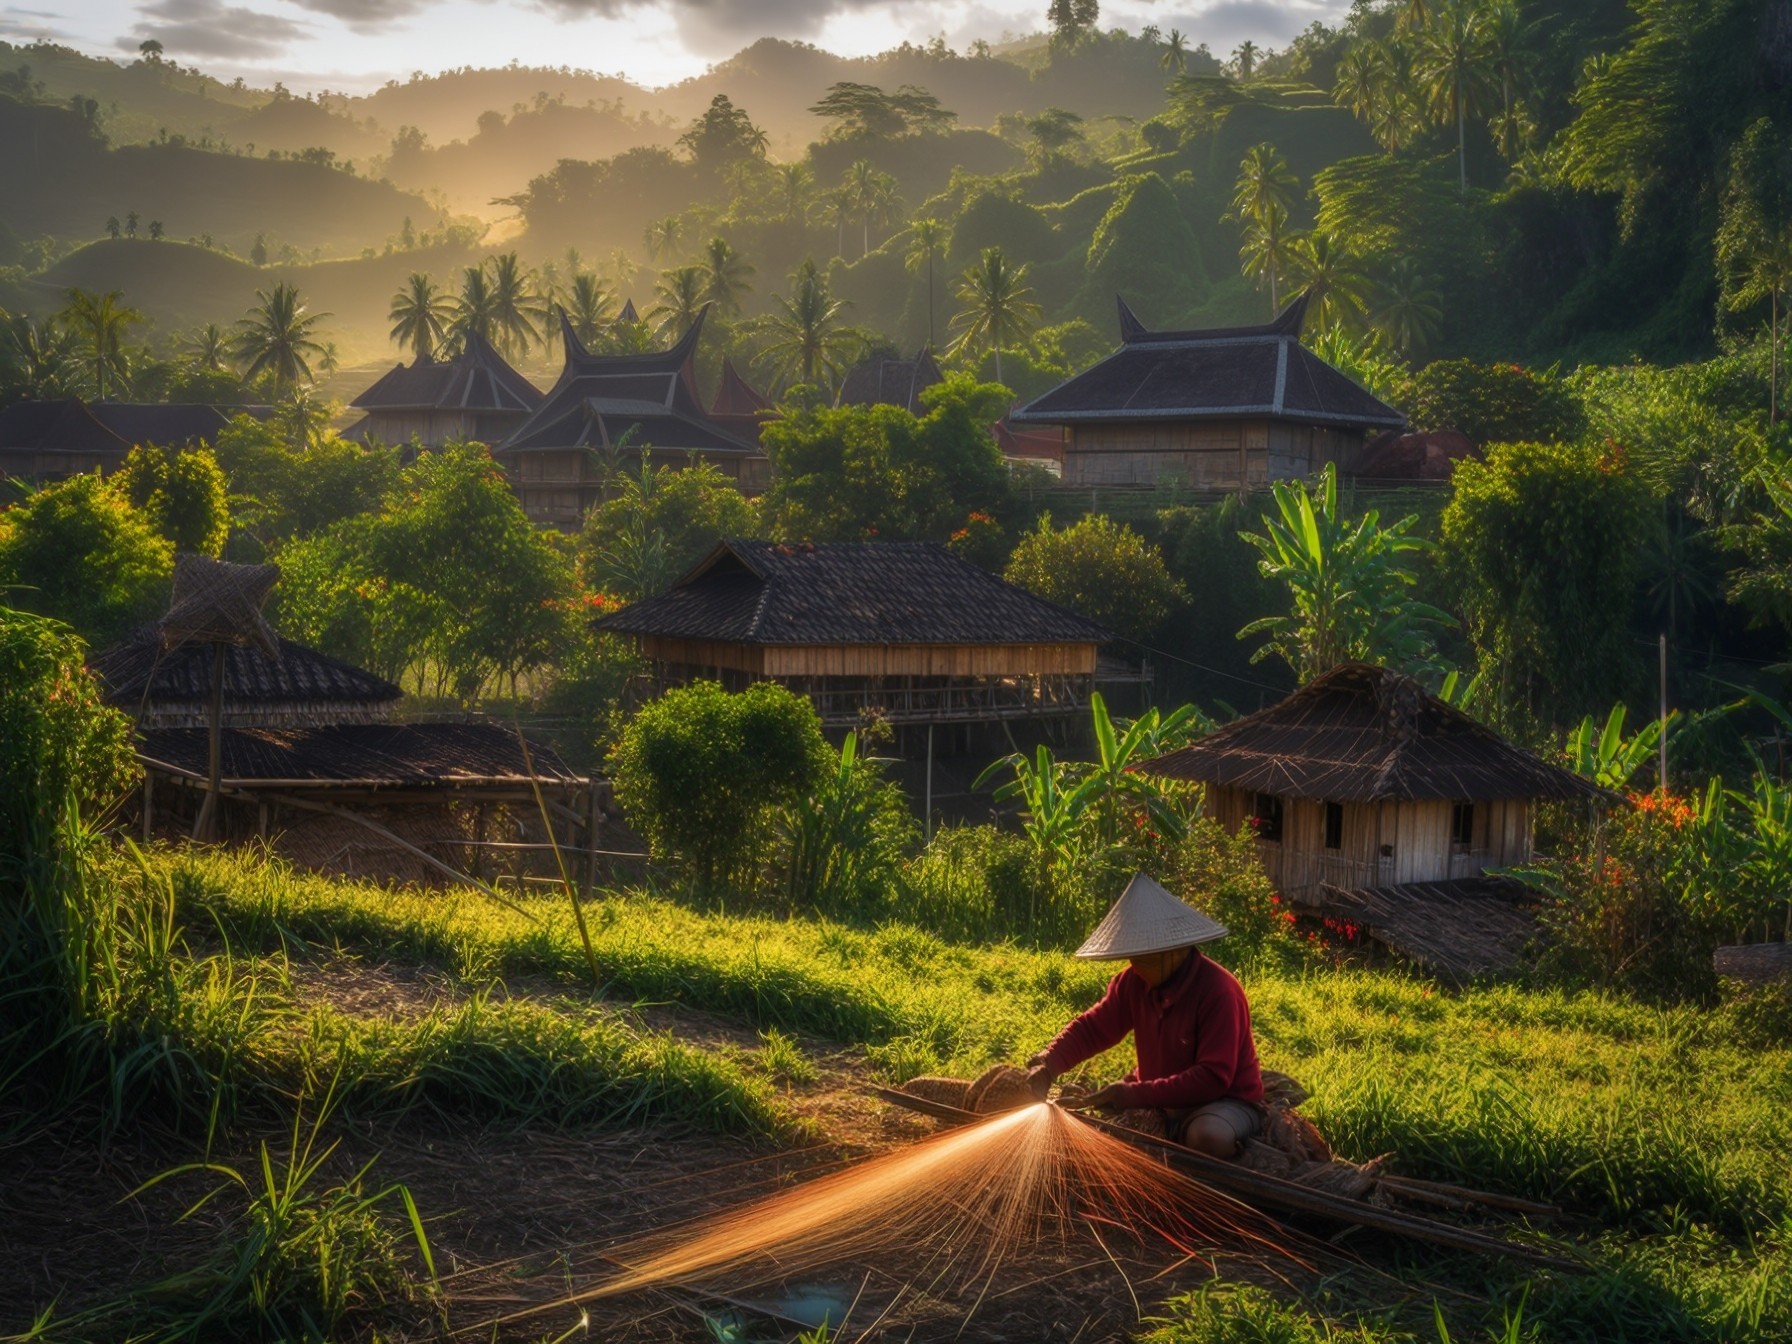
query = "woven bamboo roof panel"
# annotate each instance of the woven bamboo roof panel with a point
(216, 602)
(378, 755)
(1222, 373)
(846, 593)
(478, 378)
(183, 676)
(1365, 734)
(1459, 929)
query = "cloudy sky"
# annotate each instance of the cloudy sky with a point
(355, 44)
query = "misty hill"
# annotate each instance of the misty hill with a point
(64, 180)
(139, 100)
(447, 106)
(179, 286)
(292, 124)
(507, 151)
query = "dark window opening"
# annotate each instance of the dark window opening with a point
(1334, 826)
(1462, 825)
(1268, 817)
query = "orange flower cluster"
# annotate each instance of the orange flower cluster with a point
(1658, 805)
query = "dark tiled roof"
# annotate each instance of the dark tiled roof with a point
(1222, 373)
(599, 398)
(389, 754)
(184, 675)
(1365, 734)
(894, 592)
(112, 426)
(476, 379)
(891, 382)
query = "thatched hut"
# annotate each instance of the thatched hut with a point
(1375, 801)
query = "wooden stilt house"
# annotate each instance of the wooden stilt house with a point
(1376, 802)
(1220, 409)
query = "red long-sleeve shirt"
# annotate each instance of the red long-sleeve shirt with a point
(1192, 1035)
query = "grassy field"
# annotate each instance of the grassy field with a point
(1665, 1133)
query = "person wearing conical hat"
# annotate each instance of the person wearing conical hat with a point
(1189, 1021)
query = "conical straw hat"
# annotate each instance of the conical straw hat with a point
(1147, 919)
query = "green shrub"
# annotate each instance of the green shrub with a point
(1492, 403)
(1101, 569)
(705, 775)
(847, 839)
(78, 551)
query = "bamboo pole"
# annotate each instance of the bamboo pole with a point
(214, 764)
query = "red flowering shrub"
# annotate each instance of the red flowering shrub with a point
(1631, 909)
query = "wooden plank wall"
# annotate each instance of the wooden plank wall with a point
(928, 660)
(1418, 833)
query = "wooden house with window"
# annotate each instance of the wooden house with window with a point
(1377, 803)
(905, 632)
(475, 396)
(1224, 409)
(603, 413)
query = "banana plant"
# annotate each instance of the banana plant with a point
(1120, 745)
(1605, 755)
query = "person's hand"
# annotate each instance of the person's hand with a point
(1102, 1098)
(1036, 1060)
(1040, 1077)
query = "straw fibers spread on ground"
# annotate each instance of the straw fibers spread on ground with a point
(951, 1211)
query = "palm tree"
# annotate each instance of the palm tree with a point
(1263, 180)
(1508, 41)
(997, 304)
(588, 307)
(836, 207)
(1175, 53)
(277, 336)
(805, 330)
(1335, 285)
(622, 268)
(928, 240)
(1245, 56)
(1409, 310)
(1396, 117)
(474, 308)
(421, 316)
(209, 347)
(1451, 63)
(1267, 251)
(39, 361)
(794, 181)
(515, 308)
(1763, 270)
(725, 276)
(872, 195)
(662, 237)
(1357, 85)
(680, 293)
(1414, 15)
(101, 320)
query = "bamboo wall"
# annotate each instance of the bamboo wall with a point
(1383, 844)
(1202, 454)
(875, 660)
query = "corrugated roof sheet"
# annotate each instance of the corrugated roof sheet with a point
(478, 379)
(184, 675)
(1366, 734)
(1221, 373)
(893, 592)
(409, 755)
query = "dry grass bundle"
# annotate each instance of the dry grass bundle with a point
(952, 1209)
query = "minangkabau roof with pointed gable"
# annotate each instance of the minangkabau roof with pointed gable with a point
(600, 398)
(1222, 373)
(853, 593)
(477, 379)
(1363, 734)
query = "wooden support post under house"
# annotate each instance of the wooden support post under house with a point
(208, 810)
(928, 827)
(593, 821)
(149, 803)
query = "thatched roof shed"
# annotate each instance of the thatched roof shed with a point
(1366, 734)
(172, 688)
